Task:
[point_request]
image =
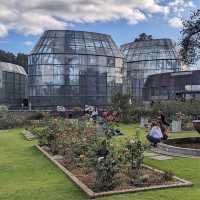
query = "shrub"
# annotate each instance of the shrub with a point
(106, 169)
(3, 108)
(167, 176)
(121, 104)
(37, 116)
(77, 109)
(134, 156)
(11, 120)
(139, 181)
(135, 152)
(104, 160)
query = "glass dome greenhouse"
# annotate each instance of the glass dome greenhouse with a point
(74, 68)
(146, 56)
(13, 80)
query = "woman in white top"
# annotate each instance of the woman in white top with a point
(155, 135)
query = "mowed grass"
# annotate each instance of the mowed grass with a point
(129, 131)
(25, 174)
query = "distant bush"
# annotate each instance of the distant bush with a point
(77, 109)
(10, 120)
(37, 116)
(3, 108)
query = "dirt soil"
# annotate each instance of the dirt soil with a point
(152, 178)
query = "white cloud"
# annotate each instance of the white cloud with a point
(179, 6)
(3, 31)
(28, 43)
(37, 23)
(34, 16)
(175, 22)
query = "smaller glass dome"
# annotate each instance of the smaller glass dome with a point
(9, 67)
(146, 48)
(146, 56)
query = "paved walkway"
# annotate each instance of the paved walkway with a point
(157, 156)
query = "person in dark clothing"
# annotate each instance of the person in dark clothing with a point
(163, 120)
(164, 125)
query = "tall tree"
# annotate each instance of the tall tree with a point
(121, 104)
(190, 43)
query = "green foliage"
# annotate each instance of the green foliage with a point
(20, 59)
(135, 152)
(175, 109)
(66, 137)
(191, 38)
(168, 175)
(37, 116)
(139, 180)
(106, 169)
(77, 109)
(134, 157)
(121, 104)
(11, 120)
(104, 160)
(3, 108)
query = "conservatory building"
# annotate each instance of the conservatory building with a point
(184, 85)
(146, 56)
(74, 68)
(13, 80)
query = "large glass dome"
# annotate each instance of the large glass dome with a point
(146, 56)
(13, 80)
(74, 68)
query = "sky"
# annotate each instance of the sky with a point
(22, 22)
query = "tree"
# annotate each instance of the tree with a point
(121, 104)
(20, 59)
(190, 43)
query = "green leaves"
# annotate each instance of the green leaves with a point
(191, 39)
(134, 155)
(121, 104)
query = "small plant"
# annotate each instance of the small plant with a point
(135, 151)
(134, 156)
(104, 161)
(167, 176)
(106, 169)
(139, 181)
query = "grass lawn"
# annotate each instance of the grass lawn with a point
(25, 174)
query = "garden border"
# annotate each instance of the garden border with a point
(171, 150)
(28, 135)
(91, 194)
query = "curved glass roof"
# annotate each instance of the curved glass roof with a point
(76, 42)
(149, 49)
(9, 67)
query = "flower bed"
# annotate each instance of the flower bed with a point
(84, 180)
(99, 166)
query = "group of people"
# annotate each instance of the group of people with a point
(159, 130)
(92, 112)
